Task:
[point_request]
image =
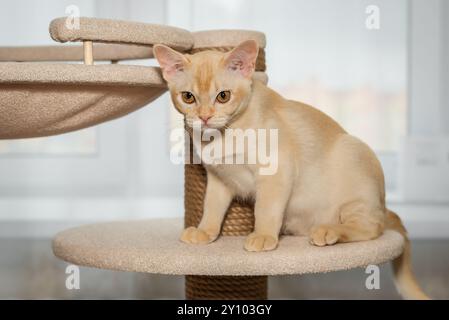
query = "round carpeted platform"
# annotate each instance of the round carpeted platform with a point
(152, 246)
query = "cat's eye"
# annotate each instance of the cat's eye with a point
(188, 97)
(224, 96)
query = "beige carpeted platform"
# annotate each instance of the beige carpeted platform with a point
(152, 246)
(80, 74)
(116, 31)
(101, 52)
(42, 99)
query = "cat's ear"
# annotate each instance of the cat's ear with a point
(243, 58)
(171, 61)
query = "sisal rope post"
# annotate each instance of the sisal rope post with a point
(239, 221)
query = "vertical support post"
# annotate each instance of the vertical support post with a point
(88, 53)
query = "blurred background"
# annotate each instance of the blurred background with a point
(384, 80)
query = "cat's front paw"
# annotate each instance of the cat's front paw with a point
(257, 242)
(324, 235)
(196, 236)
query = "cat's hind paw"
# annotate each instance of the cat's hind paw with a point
(324, 235)
(196, 236)
(256, 242)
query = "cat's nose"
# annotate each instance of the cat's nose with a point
(205, 118)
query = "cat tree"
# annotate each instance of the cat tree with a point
(42, 99)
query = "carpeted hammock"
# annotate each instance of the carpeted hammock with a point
(39, 98)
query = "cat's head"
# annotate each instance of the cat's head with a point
(209, 87)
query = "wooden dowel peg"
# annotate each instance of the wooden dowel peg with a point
(88, 53)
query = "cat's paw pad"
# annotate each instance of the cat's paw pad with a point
(257, 242)
(196, 236)
(323, 236)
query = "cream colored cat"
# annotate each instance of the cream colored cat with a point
(329, 185)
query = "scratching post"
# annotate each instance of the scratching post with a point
(226, 288)
(239, 221)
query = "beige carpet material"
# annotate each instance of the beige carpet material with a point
(152, 246)
(102, 52)
(117, 31)
(63, 73)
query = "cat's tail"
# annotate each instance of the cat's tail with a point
(405, 280)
